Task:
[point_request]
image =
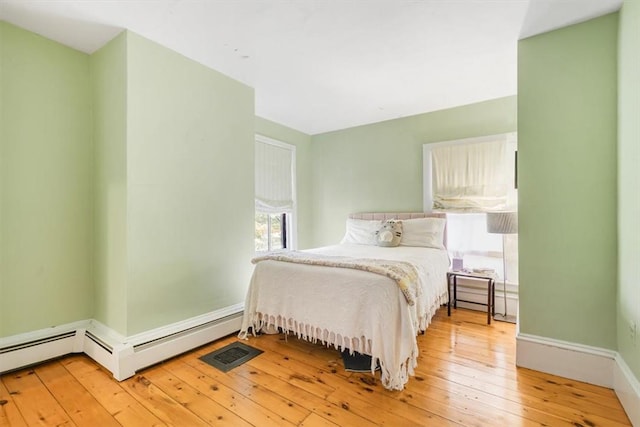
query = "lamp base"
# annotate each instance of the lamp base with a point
(502, 318)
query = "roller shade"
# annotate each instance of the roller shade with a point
(273, 178)
(470, 176)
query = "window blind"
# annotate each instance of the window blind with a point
(273, 178)
(470, 176)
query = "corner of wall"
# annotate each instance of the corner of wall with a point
(593, 365)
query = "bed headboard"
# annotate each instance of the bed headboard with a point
(383, 216)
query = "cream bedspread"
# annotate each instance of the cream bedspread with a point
(353, 309)
(404, 273)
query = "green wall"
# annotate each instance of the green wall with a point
(46, 204)
(629, 184)
(378, 167)
(567, 183)
(126, 185)
(3, 321)
(304, 166)
(109, 91)
(190, 173)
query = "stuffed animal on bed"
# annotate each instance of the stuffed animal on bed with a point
(389, 234)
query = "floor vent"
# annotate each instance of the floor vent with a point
(230, 356)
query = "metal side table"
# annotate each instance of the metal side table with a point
(452, 285)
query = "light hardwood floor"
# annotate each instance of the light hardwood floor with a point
(466, 376)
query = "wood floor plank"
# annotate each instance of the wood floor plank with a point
(475, 404)
(466, 376)
(318, 356)
(9, 413)
(293, 354)
(111, 394)
(197, 398)
(319, 405)
(160, 403)
(491, 403)
(323, 369)
(448, 355)
(522, 386)
(301, 375)
(523, 375)
(439, 404)
(289, 410)
(36, 404)
(575, 413)
(482, 356)
(81, 406)
(536, 409)
(237, 403)
(315, 420)
(378, 408)
(514, 390)
(343, 395)
(571, 386)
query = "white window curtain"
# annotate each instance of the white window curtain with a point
(470, 177)
(274, 188)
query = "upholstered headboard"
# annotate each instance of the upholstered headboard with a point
(383, 216)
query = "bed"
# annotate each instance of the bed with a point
(357, 309)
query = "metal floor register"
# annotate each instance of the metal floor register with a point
(230, 356)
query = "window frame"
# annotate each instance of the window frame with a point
(291, 221)
(285, 243)
(427, 167)
(510, 138)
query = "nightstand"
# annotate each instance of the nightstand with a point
(452, 284)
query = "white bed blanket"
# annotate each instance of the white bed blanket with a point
(351, 309)
(404, 273)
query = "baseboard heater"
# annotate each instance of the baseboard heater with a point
(37, 350)
(37, 342)
(105, 346)
(121, 356)
(193, 329)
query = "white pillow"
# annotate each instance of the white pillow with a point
(427, 232)
(361, 231)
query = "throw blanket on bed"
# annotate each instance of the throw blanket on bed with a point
(404, 273)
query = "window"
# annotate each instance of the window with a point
(467, 239)
(275, 201)
(470, 175)
(466, 178)
(271, 231)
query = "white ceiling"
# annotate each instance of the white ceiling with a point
(323, 65)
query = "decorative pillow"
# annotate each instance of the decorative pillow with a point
(389, 234)
(361, 231)
(425, 232)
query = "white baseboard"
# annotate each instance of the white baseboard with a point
(40, 345)
(579, 362)
(627, 389)
(32, 352)
(122, 356)
(151, 347)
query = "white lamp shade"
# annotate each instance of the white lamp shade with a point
(502, 222)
